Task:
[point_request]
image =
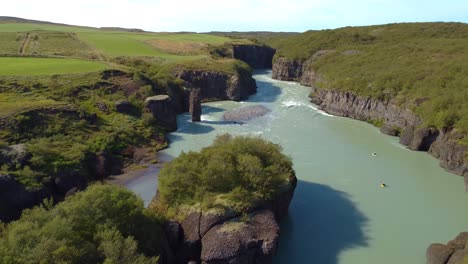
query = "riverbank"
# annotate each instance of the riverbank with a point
(392, 119)
(339, 213)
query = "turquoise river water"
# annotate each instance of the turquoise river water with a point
(339, 213)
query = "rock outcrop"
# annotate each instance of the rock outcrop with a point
(245, 113)
(220, 85)
(253, 241)
(396, 120)
(195, 107)
(257, 56)
(14, 197)
(124, 107)
(163, 111)
(225, 236)
(455, 252)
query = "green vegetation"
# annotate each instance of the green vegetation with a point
(12, 26)
(121, 44)
(421, 66)
(104, 224)
(65, 119)
(46, 66)
(58, 94)
(234, 172)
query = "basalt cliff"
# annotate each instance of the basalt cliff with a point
(212, 236)
(396, 120)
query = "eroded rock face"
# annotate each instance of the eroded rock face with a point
(388, 130)
(441, 144)
(124, 107)
(253, 241)
(14, 197)
(257, 56)
(67, 180)
(195, 107)
(245, 113)
(438, 254)
(224, 236)
(220, 85)
(454, 252)
(287, 70)
(163, 111)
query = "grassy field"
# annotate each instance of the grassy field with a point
(25, 27)
(137, 44)
(10, 42)
(52, 43)
(46, 66)
(422, 66)
(83, 42)
(11, 103)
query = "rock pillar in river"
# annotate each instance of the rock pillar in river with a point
(195, 105)
(161, 108)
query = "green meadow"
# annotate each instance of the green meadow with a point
(46, 66)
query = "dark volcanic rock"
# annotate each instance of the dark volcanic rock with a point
(103, 165)
(254, 241)
(257, 56)
(173, 233)
(459, 242)
(245, 113)
(287, 70)
(451, 154)
(443, 145)
(202, 236)
(163, 111)
(438, 254)
(455, 252)
(14, 197)
(220, 85)
(124, 107)
(423, 139)
(407, 136)
(103, 107)
(195, 107)
(391, 131)
(458, 257)
(67, 180)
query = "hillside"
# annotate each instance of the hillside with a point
(77, 103)
(421, 66)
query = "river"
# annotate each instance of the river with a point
(339, 213)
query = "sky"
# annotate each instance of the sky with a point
(236, 15)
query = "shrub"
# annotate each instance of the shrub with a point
(102, 224)
(406, 62)
(236, 171)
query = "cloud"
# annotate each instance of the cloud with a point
(241, 15)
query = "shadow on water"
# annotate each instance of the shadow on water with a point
(186, 126)
(222, 122)
(266, 93)
(322, 223)
(206, 109)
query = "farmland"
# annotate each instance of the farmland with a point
(46, 66)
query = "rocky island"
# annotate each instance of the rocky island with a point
(226, 212)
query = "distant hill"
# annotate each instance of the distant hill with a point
(7, 19)
(258, 36)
